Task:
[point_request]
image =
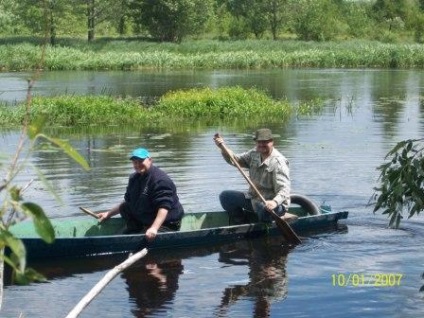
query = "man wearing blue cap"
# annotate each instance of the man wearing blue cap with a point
(151, 203)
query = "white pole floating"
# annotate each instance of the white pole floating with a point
(104, 281)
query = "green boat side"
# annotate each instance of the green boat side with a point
(84, 236)
(84, 226)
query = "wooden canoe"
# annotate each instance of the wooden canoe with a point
(84, 236)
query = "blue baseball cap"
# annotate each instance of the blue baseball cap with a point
(139, 153)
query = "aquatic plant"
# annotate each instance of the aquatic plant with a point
(68, 110)
(228, 104)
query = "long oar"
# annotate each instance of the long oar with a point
(284, 227)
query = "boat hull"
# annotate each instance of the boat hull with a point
(85, 237)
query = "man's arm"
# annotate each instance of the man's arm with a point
(157, 223)
(108, 214)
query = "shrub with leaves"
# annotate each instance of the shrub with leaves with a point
(14, 207)
(401, 186)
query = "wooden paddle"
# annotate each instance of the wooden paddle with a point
(94, 215)
(284, 227)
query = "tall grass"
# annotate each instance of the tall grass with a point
(75, 110)
(228, 104)
(211, 54)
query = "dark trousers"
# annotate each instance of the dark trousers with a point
(240, 208)
(135, 226)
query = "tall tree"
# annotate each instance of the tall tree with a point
(9, 23)
(46, 17)
(100, 11)
(315, 20)
(395, 12)
(252, 13)
(172, 20)
(276, 15)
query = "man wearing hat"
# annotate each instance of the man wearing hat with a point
(269, 171)
(151, 203)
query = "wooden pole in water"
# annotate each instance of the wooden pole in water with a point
(104, 281)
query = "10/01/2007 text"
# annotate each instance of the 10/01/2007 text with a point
(366, 280)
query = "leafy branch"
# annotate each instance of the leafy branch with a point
(401, 180)
(13, 207)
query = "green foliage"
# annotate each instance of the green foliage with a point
(43, 17)
(389, 10)
(419, 30)
(401, 181)
(42, 224)
(15, 208)
(228, 103)
(78, 110)
(308, 108)
(175, 20)
(9, 22)
(358, 20)
(17, 258)
(251, 16)
(317, 20)
(212, 54)
(170, 20)
(224, 103)
(19, 57)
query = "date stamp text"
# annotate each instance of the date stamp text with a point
(366, 280)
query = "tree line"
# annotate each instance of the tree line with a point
(175, 20)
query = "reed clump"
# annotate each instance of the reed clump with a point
(70, 110)
(226, 104)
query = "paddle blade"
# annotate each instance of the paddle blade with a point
(286, 230)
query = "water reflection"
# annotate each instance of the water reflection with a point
(153, 282)
(266, 264)
(422, 287)
(152, 285)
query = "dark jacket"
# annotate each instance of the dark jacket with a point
(148, 192)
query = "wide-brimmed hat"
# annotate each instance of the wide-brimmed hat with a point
(263, 134)
(140, 153)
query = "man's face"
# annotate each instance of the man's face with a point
(264, 146)
(141, 165)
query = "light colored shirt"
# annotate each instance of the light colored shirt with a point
(271, 177)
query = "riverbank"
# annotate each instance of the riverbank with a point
(133, 55)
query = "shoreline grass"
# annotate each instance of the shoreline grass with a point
(229, 104)
(210, 54)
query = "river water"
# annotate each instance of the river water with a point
(333, 158)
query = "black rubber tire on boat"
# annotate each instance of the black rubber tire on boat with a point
(305, 203)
